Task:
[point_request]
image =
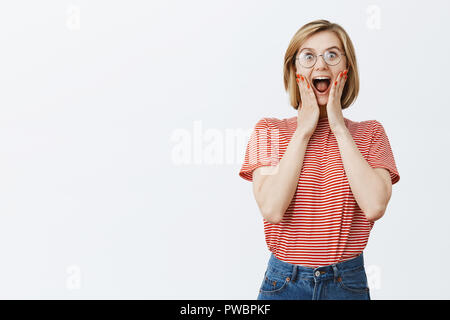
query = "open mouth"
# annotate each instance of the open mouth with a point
(321, 84)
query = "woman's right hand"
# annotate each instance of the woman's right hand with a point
(308, 109)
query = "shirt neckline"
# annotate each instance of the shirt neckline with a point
(321, 121)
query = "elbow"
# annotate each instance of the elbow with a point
(269, 213)
(375, 215)
(271, 217)
(273, 220)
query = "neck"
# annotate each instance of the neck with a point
(323, 112)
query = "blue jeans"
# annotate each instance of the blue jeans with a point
(341, 281)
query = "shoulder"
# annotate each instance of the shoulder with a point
(275, 123)
(365, 126)
(364, 123)
(376, 127)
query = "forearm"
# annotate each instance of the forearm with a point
(367, 186)
(280, 185)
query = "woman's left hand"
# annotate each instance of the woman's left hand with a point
(334, 109)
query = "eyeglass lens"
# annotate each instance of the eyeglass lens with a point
(307, 58)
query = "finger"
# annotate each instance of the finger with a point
(307, 89)
(298, 78)
(309, 92)
(301, 85)
(306, 92)
(308, 86)
(341, 83)
(333, 89)
(337, 85)
(304, 85)
(344, 80)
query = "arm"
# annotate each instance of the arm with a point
(371, 187)
(274, 191)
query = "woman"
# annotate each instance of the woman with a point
(320, 180)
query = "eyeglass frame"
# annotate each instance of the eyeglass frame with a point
(321, 55)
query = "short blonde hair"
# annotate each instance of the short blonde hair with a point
(351, 88)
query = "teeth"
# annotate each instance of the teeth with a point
(321, 78)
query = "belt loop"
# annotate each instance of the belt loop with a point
(335, 270)
(294, 272)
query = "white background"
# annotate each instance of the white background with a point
(93, 203)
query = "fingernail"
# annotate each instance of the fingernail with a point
(340, 75)
(301, 77)
(308, 85)
(345, 77)
(297, 75)
(345, 71)
(335, 83)
(296, 80)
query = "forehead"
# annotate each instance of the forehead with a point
(321, 41)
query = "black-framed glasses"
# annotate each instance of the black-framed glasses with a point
(308, 59)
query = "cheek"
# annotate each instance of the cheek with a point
(300, 69)
(336, 73)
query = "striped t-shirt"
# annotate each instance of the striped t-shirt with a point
(323, 224)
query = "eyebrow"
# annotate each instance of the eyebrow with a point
(325, 49)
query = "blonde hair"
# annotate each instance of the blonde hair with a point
(351, 88)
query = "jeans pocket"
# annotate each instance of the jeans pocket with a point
(274, 281)
(354, 281)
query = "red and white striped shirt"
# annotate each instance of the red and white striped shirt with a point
(323, 224)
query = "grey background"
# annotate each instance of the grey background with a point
(93, 203)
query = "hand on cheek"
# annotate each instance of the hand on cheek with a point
(338, 85)
(334, 108)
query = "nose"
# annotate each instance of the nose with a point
(320, 62)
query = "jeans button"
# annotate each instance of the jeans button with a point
(317, 273)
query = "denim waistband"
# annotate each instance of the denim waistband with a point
(323, 272)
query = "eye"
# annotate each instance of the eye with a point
(307, 56)
(331, 55)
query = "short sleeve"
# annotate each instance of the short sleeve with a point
(380, 152)
(260, 151)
